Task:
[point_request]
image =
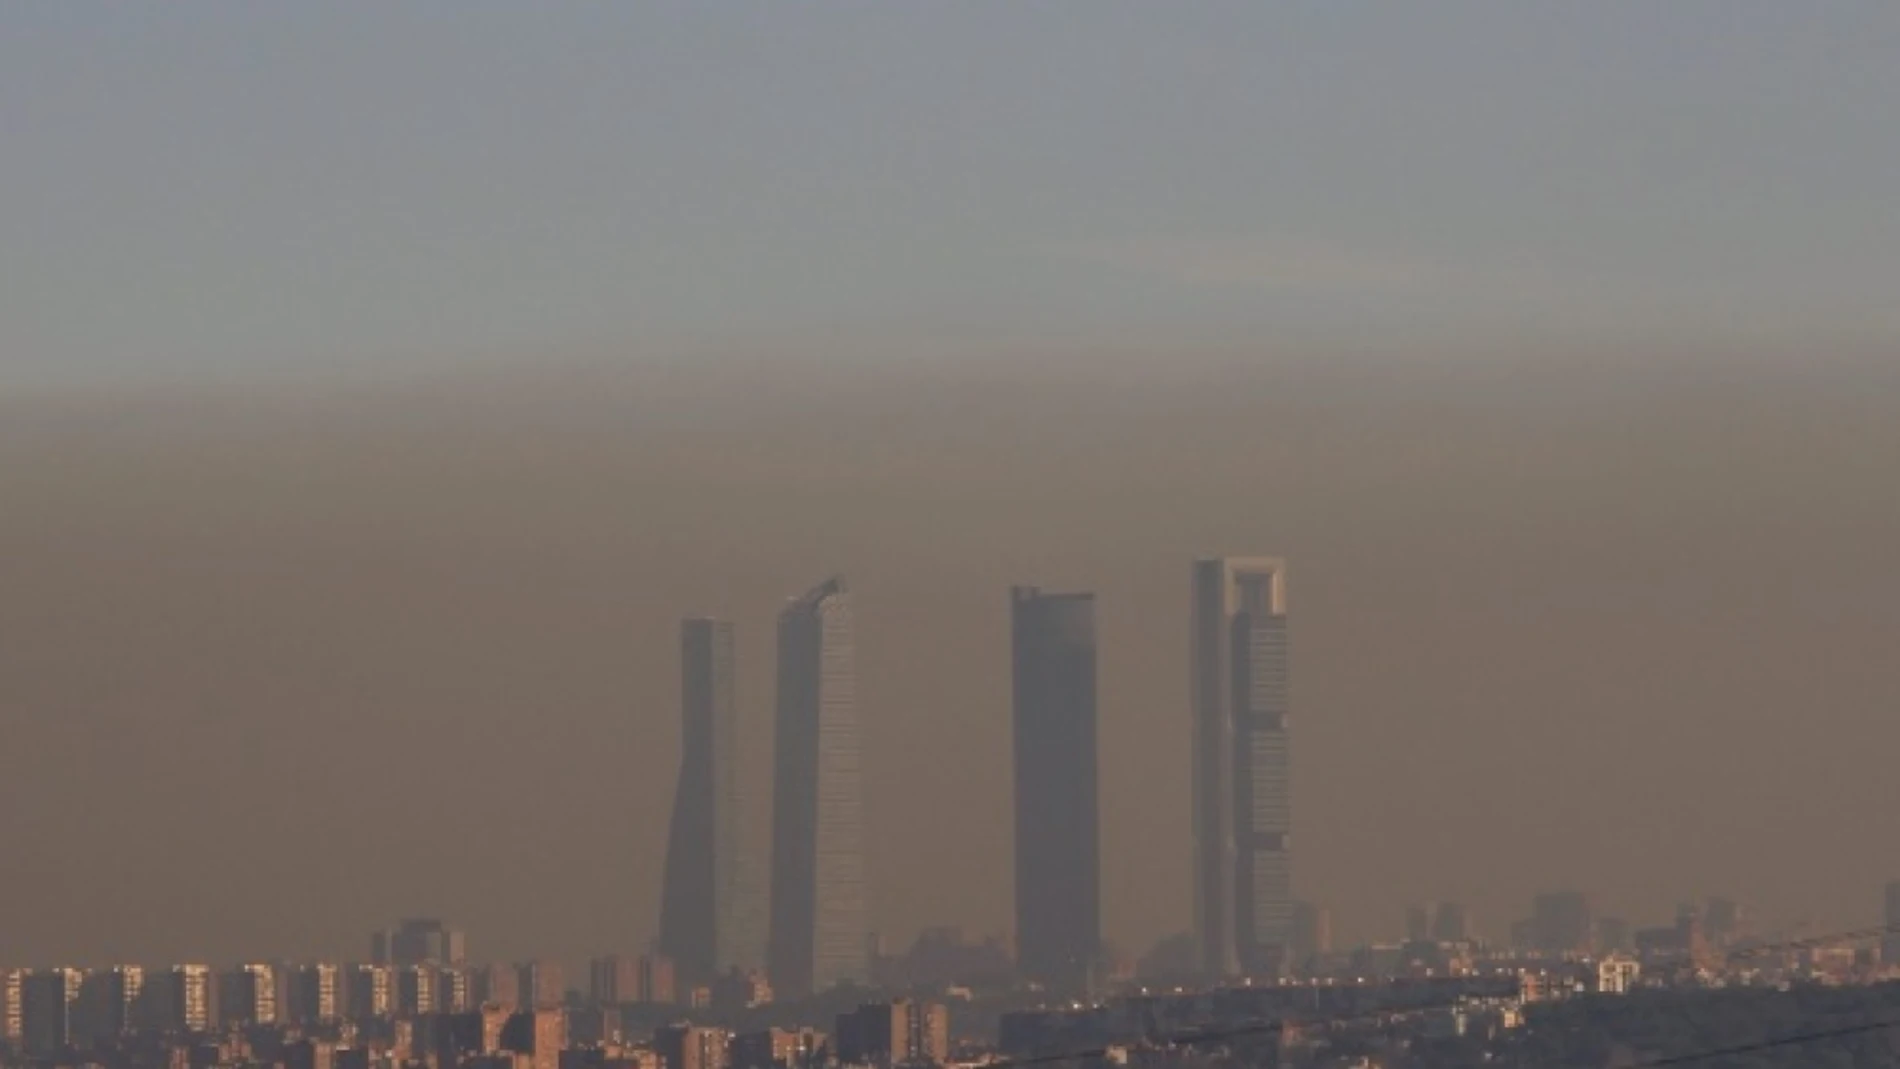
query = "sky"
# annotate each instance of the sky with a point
(380, 384)
(229, 187)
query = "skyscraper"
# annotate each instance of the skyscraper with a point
(314, 994)
(248, 995)
(899, 1032)
(189, 999)
(1243, 892)
(1058, 839)
(613, 980)
(1562, 922)
(455, 989)
(497, 984)
(419, 941)
(49, 1002)
(710, 915)
(540, 984)
(1451, 923)
(12, 1005)
(416, 990)
(819, 933)
(1725, 919)
(657, 981)
(687, 1046)
(109, 1001)
(369, 991)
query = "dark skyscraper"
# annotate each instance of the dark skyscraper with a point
(819, 933)
(49, 1001)
(1451, 923)
(314, 994)
(418, 941)
(109, 1001)
(1243, 887)
(1058, 841)
(709, 910)
(247, 994)
(1562, 922)
(369, 991)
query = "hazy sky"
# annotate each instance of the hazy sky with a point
(229, 185)
(279, 667)
(1553, 344)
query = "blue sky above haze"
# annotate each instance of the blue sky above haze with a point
(224, 187)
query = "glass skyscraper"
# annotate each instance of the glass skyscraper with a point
(1058, 836)
(709, 914)
(819, 931)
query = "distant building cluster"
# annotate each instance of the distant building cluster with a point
(421, 1005)
(814, 905)
(765, 958)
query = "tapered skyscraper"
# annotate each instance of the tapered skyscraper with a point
(1058, 845)
(819, 933)
(1243, 894)
(710, 910)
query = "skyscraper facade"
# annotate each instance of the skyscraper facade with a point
(1562, 922)
(416, 990)
(658, 984)
(419, 941)
(109, 1002)
(540, 984)
(710, 915)
(899, 1032)
(1451, 923)
(49, 1011)
(12, 1005)
(613, 979)
(189, 1001)
(1058, 838)
(248, 995)
(370, 991)
(314, 994)
(819, 930)
(1243, 888)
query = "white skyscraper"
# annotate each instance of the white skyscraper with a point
(1243, 893)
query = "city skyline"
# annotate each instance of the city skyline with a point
(1554, 925)
(1238, 634)
(382, 665)
(379, 390)
(1514, 996)
(841, 536)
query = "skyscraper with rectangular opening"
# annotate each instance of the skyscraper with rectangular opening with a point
(1243, 894)
(819, 930)
(1058, 836)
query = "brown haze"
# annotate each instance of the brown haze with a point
(276, 667)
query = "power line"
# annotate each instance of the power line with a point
(1796, 1040)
